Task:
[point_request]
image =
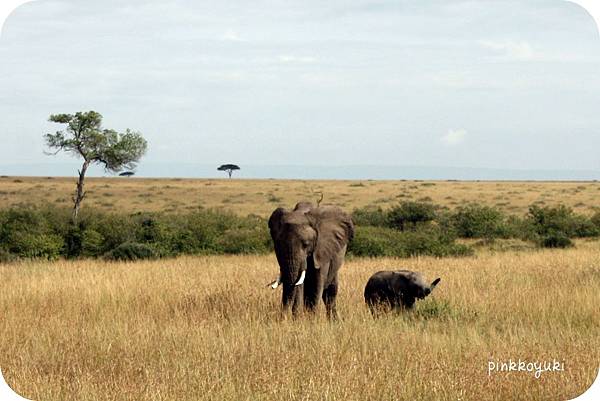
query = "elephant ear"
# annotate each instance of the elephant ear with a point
(334, 230)
(275, 222)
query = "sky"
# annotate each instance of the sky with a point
(432, 83)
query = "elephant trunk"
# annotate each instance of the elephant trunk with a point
(292, 275)
(292, 265)
(287, 296)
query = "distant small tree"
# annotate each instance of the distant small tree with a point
(127, 174)
(84, 137)
(229, 168)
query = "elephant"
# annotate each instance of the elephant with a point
(310, 245)
(396, 290)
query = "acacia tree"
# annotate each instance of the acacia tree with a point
(229, 168)
(84, 137)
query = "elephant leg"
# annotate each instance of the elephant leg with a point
(291, 298)
(298, 300)
(408, 302)
(311, 298)
(329, 296)
(313, 286)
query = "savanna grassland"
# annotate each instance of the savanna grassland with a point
(260, 197)
(206, 327)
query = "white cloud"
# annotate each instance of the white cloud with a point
(510, 50)
(454, 137)
(231, 36)
(296, 59)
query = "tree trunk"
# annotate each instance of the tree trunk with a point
(79, 193)
(229, 172)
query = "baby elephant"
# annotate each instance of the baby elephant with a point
(396, 289)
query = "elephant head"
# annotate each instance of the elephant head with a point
(308, 240)
(412, 284)
(416, 285)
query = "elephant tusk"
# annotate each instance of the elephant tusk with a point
(275, 283)
(301, 279)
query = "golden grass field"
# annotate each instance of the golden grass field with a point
(208, 328)
(262, 196)
(196, 328)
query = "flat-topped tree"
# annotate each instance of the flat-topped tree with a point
(229, 168)
(84, 137)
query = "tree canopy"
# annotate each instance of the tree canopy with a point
(229, 168)
(84, 137)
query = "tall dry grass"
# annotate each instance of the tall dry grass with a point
(208, 328)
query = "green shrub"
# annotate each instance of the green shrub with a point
(374, 241)
(92, 243)
(520, 228)
(584, 227)
(476, 221)
(209, 231)
(58, 220)
(156, 229)
(152, 228)
(370, 216)
(187, 241)
(20, 220)
(410, 214)
(97, 233)
(548, 221)
(131, 251)
(556, 239)
(42, 246)
(245, 241)
(199, 231)
(381, 241)
(73, 242)
(433, 242)
(26, 233)
(115, 229)
(595, 219)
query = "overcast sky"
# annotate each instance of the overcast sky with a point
(483, 84)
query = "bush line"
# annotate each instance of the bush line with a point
(405, 230)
